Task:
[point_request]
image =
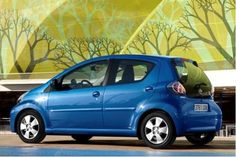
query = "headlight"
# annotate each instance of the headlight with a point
(21, 97)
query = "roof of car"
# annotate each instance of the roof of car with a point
(120, 56)
(132, 56)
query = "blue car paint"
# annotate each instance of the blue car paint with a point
(119, 108)
(116, 103)
(72, 107)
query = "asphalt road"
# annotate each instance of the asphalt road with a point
(10, 144)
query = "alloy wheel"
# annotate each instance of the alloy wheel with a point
(156, 130)
(29, 127)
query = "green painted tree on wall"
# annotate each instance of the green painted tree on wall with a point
(89, 18)
(193, 11)
(39, 36)
(13, 27)
(160, 38)
(82, 29)
(77, 49)
(1, 59)
(16, 30)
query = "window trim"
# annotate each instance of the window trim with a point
(115, 65)
(60, 79)
(194, 63)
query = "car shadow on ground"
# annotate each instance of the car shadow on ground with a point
(138, 143)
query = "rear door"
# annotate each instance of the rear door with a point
(129, 85)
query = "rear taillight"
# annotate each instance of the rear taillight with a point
(177, 88)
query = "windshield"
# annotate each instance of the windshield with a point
(194, 80)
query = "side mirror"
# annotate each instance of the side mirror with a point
(54, 84)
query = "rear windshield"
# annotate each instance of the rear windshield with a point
(194, 80)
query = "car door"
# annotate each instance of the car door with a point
(128, 86)
(77, 101)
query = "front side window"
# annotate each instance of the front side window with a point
(129, 71)
(87, 76)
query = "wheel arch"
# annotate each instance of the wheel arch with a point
(21, 109)
(144, 114)
(20, 113)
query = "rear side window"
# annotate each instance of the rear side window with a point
(129, 71)
(193, 78)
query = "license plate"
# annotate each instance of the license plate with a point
(201, 107)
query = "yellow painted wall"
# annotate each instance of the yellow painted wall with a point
(40, 38)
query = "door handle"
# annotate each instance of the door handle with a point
(96, 94)
(149, 89)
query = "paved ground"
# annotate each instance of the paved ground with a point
(10, 144)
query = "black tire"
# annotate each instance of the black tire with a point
(168, 136)
(39, 127)
(81, 138)
(201, 138)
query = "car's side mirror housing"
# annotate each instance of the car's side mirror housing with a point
(54, 84)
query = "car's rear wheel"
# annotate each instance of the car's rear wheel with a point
(81, 138)
(157, 130)
(30, 127)
(200, 138)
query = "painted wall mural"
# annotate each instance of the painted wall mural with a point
(40, 38)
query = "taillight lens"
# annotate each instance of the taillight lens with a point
(177, 87)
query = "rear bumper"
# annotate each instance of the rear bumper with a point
(202, 122)
(197, 121)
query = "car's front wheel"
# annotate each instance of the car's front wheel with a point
(81, 138)
(157, 130)
(200, 138)
(30, 127)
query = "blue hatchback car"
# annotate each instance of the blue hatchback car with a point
(153, 98)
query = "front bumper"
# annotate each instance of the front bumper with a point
(13, 119)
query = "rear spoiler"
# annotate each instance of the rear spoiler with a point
(184, 60)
